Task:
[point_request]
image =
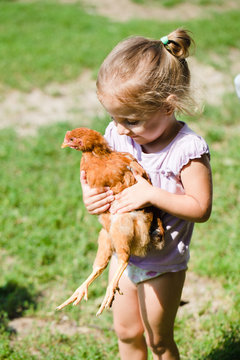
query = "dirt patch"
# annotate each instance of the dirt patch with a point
(202, 298)
(7, 260)
(234, 56)
(123, 10)
(27, 325)
(76, 102)
(201, 295)
(209, 84)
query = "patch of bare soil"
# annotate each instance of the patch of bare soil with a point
(7, 260)
(202, 296)
(27, 325)
(209, 84)
(76, 102)
(123, 10)
(234, 56)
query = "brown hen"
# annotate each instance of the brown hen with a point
(131, 233)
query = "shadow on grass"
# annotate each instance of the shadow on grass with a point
(15, 299)
(229, 348)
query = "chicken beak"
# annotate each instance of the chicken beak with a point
(64, 145)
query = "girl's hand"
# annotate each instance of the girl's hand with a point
(134, 197)
(96, 201)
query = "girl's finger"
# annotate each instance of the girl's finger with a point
(100, 200)
(124, 209)
(90, 192)
(123, 194)
(95, 197)
(137, 176)
(100, 210)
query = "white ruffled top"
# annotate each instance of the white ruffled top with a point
(164, 169)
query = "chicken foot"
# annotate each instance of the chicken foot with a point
(101, 261)
(82, 291)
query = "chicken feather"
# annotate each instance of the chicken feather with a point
(131, 233)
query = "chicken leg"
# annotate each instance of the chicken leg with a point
(112, 287)
(101, 261)
(122, 229)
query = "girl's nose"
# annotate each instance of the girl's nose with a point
(122, 130)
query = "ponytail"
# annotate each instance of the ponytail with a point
(178, 43)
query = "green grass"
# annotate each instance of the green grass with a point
(48, 241)
(43, 41)
(172, 3)
(52, 243)
(43, 345)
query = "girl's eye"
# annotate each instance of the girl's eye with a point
(127, 122)
(132, 122)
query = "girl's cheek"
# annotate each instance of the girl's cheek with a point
(139, 130)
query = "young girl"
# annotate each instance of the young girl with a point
(142, 84)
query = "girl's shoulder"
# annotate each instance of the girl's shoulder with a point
(187, 146)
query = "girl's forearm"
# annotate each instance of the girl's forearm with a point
(183, 206)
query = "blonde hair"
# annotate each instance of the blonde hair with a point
(146, 75)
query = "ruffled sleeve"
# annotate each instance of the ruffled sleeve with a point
(192, 147)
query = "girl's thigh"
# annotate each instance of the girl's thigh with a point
(159, 300)
(126, 310)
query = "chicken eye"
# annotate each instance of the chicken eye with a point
(71, 139)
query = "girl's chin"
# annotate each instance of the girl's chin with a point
(139, 140)
(136, 138)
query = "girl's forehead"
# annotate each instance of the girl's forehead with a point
(117, 109)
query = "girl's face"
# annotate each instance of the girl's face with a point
(144, 131)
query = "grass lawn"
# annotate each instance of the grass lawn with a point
(48, 241)
(44, 41)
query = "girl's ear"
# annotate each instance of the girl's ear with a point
(170, 104)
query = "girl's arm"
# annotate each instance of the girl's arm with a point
(195, 205)
(96, 201)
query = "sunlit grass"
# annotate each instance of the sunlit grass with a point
(52, 240)
(47, 240)
(44, 41)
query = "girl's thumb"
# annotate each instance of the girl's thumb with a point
(83, 178)
(136, 174)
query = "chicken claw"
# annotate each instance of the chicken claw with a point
(82, 291)
(76, 297)
(109, 297)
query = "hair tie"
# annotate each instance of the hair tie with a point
(164, 40)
